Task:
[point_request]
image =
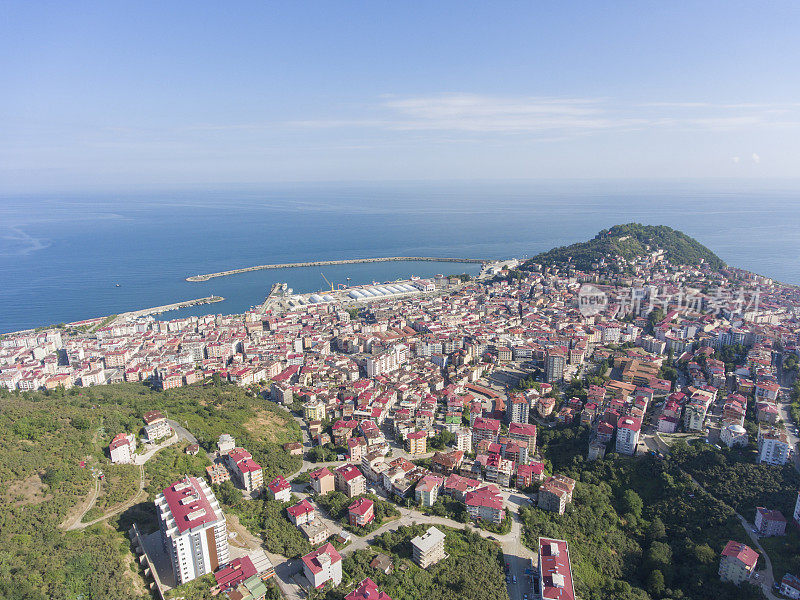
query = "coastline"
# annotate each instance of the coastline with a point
(96, 321)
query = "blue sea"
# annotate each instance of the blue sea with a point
(61, 255)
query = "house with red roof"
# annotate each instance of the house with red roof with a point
(301, 513)
(322, 481)
(737, 562)
(427, 490)
(280, 489)
(485, 429)
(367, 590)
(527, 474)
(350, 480)
(121, 448)
(485, 504)
(361, 512)
(524, 432)
(246, 472)
(323, 565)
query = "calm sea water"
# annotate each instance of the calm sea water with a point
(61, 256)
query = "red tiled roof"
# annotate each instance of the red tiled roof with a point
(188, 504)
(361, 506)
(235, 572)
(367, 590)
(742, 552)
(320, 473)
(278, 484)
(552, 565)
(301, 508)
(312, 562)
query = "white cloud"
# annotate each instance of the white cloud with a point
(756, 158)
(559, 117)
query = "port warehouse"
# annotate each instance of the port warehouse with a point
(365, 293)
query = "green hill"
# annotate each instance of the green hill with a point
(630, 241)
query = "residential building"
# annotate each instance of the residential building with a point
(417, 443)
(737, 563)
(323, 565)
(518, 409)
(156, 426)
(554, 366)
(301, 513)
(361, 512)
(797, 510)
(121, 448)
(367, 590)
(225, 444)
(773, 446)
(217, 473)
(555, 493)
(315, 532)
(524, 432)
(427, 490)
(484, 429)
(350, 481)
(322, 481)
(280, 489)
(770, 522)
(428, 549)
(485, 504)
(464, 439)
(628, 435)
(246, 571)
(447, 462)
(734, 435)
(314, 410)
(193, 529)
(246, 472)
(790, 586)
(555, 570)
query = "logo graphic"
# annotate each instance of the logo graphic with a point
(591, 300)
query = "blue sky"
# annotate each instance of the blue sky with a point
(114, 95)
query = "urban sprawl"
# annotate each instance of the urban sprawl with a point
(474, 368)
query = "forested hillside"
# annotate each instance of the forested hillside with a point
(629, 241)
(43, 440)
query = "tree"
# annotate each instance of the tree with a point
(655, 583)
(228, 493)
(704, 554)
(656, 530)
(632, 503)
(660, 555)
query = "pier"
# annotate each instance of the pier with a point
(167, 307)
(324, 263)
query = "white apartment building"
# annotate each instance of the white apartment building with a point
(193, 529)
(464, 439)
(628, 435)
(428, 549)
(121, 448)
(773, 446)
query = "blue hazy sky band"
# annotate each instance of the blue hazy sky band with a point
(106, 94)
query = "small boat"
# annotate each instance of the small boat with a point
(117, 285)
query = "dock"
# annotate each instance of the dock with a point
(325, 263)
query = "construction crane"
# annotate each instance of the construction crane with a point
(326, 281)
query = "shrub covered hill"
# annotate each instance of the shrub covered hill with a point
(629, 241)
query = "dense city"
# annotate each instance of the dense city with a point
(564, 425)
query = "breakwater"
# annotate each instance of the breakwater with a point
(167, 307)
(323, 263)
